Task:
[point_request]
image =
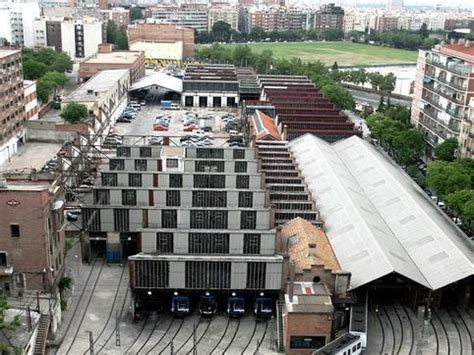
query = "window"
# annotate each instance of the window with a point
(145, 152)
(91, 219)
(173, 198)
(169, 218)
(135, 180)
(129, 197)
(140, 164)
(152, 274)
(171, 163)
(209, 198)
(14, 230)
(3, 258)
(242, 181)
(209, 153)
(208, 243)
(121, 220)
(164, 242)
(209, 181)
(207, 274)
(256, 275)
(239, 154)
(354, 348)
(109, 179)
(307, 342)
(207, 166)
(211, 219)
(123, 151)
(252, 243)
(248, 219)
(176, 180)
(117, 164)
(102, 197)
(245, 199)
(358, 345)
(240, 167)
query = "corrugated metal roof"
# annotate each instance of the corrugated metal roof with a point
(377, 219)
(162, 80)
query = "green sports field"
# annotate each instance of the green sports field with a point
(345, 53)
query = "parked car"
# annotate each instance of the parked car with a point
(124, 119)
(155, 140)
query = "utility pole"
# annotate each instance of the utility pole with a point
(194, 341)
(172, 347)
(117, 328)
(91, 342)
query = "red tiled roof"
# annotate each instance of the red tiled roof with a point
(460, 50)
(268, 127)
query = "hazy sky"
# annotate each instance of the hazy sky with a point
(465, 3)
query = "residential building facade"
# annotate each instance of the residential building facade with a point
(444, 86)
(17, 22)
(223, 12)
(119, 15)
(269, 19)
(328, 17)
(193, 16)
(31, 102)
(12, 104)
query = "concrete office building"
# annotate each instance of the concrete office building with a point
(191, 214)
(107, 59)
(12, 104)
(210, 86)
(17, 22)
(193, 16)
(161, 40)
(328, 17)
(444, 86)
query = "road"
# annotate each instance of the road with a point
(363, 97)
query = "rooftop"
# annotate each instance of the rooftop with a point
(309, 297)
(264, 127)
(377, 219)
(31, 156)
(298, 234)
(19, 337)
(337, 344)
(119, 57)
(8, 52)
(462, 50)
(100, 83)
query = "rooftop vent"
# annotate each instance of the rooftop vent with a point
(311, 249)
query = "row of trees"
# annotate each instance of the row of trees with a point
(266, 63)
(379, 82)
(47, 67)
(117, 35)
(222, 32)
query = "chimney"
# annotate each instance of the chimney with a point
(312, 249)
(291, 288)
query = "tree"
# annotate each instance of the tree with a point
(446, 150)
(408, 146)
(33, 70)
(456, 200)
(445, 177)
(74, 112)
(257, 34)
(135, 14)
(122, 39)
(264, 61)
(398, 113)
(5, 327)
(338, 96)
(242, 55)
(375, 80)
(61, 62)
(221, 31)
(111, 32)
(424, 32)
(387, 84)
(59, 79)
(44, 89)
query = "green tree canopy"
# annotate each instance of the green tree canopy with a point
(456, 200)
(445, 177)
(221, 31)
(242, 55)
(33, 70)
(446, 150)
(408, 146)
(44, 89)
(135, 13)
(61, 62)
(59, 79)
(122, 39)
(74, 112)
(339, 96)
(111, 32)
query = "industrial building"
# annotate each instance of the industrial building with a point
(190, 219)
(444, 86)
(161, 41)
(210, 85)
(301, 108)
(383, 227)
(107, 59)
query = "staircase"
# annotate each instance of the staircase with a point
(43, 328)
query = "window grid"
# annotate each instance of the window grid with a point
(248, 219)
(173, 198)
(164, 242)
(209, 153)
(129, 197)
(201, 219)
(256, 275)
(123, 151)
(239, 154)
(151, 274)
(121, 220)
(207, 166)
(176, 180)
(207, 274)
(240, 167)
(209, 181)
(109, 179)
(102, 197)
(134, 180)
(91, 219)
(245, 199)
(140, 164)
(208, 243)
(252, 243)
(209, 198)
(117, 164)
(242, 181)
(172, 163)
(169, 218)
(145, 152)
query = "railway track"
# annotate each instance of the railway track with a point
(200, 337)
(233, 337)
(97, 338)
(412, 329)
(254, 332)
(138, 335)
(162, 336)
(195, 328)
(222, 337)
(74, 338)
(383, 332)
(392, 329)
(172, 338)
(467, 327)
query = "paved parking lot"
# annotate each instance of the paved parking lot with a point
(142, 126)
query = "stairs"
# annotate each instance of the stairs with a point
(43, 328)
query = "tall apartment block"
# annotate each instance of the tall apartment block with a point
(12, 104)
(328, 17)
(189, 219)
(443, 88)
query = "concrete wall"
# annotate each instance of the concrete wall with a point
(154, 50)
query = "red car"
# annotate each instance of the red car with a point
(158, 127)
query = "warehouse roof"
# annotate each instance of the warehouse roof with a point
(162, 80)
(377, 219)
(264, 127)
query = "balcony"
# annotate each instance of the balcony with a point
(459, 69)
(438, 90)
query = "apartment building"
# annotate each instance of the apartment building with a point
(386, 23)
(78, 38)
(17, 22)
(444, 86)
(197, 217)
(119, 15)
(193, 16)
(12, 105)
(269, 18)
(223, 12)
(161, 40)
(107, 59)
(300, 18)
(328, 17)
(31, 102)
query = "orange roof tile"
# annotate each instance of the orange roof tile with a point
(298, 234)
(460, 50)
(264, 127)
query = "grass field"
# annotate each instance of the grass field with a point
(345, 53)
